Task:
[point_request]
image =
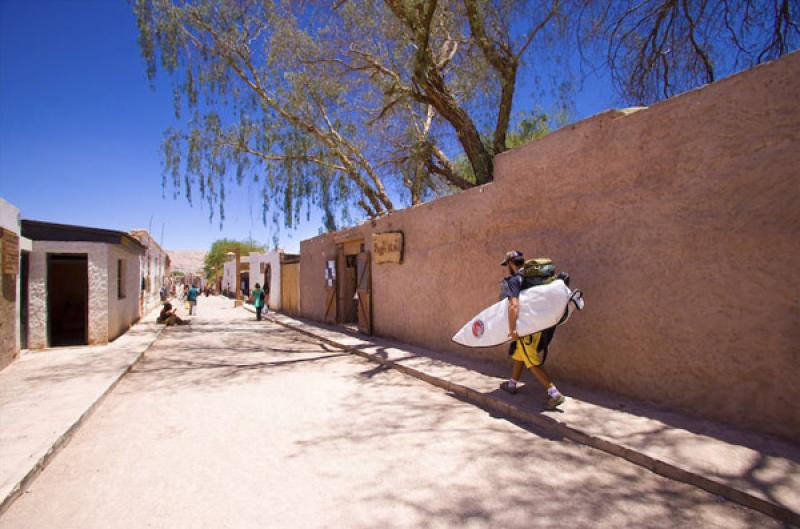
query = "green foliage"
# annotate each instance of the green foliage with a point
(530, 127)
(217, 255)
(329, 106)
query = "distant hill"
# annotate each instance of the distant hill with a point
(187, 260)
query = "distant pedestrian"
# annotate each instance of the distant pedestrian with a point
(191, 298)
(258, 301)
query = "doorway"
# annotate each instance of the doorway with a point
(24, 271)
(267, 280)
(67, 299)
(290, 286)
(353, 282)
(347, 279)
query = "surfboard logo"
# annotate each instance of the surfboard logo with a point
(478, 328)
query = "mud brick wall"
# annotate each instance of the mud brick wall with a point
(680, 222)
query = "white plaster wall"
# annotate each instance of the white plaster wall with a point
(9, 216)
(229, 276)
(98, 289)
(153, 267)
(272, 258)
(122, 312)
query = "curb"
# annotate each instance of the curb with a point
(657, 466)
(65, 437)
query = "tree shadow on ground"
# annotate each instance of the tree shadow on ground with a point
(767, 469)
(447, 467)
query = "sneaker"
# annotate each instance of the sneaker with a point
(508, 388)
(555, 402)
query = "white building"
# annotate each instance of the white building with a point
(14, 251)
(261, 268)
(154, 267)
(229, 275)
(265, 269)
(84, 284)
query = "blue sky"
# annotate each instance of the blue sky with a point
(81, 127)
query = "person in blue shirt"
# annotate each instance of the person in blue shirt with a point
(191, 297)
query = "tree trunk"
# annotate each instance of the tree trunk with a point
(479, 157)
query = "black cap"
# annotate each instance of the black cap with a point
(512, 255)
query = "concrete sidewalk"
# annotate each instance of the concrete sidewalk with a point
(46, 395)
(756, 471)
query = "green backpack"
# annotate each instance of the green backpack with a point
(538, 271)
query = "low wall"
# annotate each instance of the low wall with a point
(680, 222)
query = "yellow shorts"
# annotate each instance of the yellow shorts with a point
(526, 350)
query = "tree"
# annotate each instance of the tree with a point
(336, 105)
(217, 255)
(658, 48)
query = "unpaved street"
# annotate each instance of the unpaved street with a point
(233, 423)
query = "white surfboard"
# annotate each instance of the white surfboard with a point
(539, 308)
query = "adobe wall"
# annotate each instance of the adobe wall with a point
(9, 293)
(123, 312)
(680, 222)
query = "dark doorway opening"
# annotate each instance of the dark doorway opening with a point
(24, 275)
(244, 285)
(353, 288)
(267, 284)
(68, 299)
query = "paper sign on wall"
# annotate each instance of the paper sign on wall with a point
(388, 247)
(330, 273)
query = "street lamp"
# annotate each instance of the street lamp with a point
(237, 253)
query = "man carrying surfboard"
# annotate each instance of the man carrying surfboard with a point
(525, 351)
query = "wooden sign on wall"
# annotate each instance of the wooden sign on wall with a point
(388, 247)
(10, 252)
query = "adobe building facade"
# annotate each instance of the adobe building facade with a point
(154, 267)
(84, 284)
(679, 222)
(14, 250)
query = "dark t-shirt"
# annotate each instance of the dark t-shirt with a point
(511, 286)
(192, 294)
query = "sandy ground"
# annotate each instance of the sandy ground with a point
(233, 423)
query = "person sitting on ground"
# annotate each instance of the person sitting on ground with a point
(522, 353)
(168, 316)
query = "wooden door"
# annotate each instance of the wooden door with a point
(290, 288)
(364, 293)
